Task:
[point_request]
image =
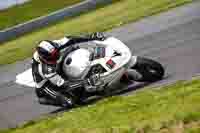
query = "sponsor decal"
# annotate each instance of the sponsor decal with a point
(110, 64)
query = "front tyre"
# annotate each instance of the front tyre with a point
(149, 69)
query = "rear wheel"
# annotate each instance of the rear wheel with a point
(149, 69)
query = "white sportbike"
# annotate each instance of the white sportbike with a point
(113, 61)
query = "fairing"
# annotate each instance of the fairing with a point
(114, 65)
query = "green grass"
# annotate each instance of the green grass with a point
(30, 10)
(102, 19)
(159, 110)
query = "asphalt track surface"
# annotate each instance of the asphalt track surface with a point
(172, 38)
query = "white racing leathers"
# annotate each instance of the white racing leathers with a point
(47, 79)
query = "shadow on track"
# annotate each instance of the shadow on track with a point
(93, 100)
(127, 90)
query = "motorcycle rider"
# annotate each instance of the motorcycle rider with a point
(45, 70)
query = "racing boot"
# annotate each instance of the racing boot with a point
(61, 102)
(47, 101)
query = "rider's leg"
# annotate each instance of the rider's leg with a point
(45, 97)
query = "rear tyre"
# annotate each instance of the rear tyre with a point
(149, 69)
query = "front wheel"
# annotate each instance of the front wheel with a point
(149, 69)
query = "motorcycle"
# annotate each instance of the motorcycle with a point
(115, 65)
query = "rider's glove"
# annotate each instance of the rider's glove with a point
(98, 36)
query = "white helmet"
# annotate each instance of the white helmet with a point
(76, 63)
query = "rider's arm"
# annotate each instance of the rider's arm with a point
(51, 75)
(57, 80)
(67, 84)
(71, 40)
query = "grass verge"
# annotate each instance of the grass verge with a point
(30, 10)
(171, 109)
(102, 19)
